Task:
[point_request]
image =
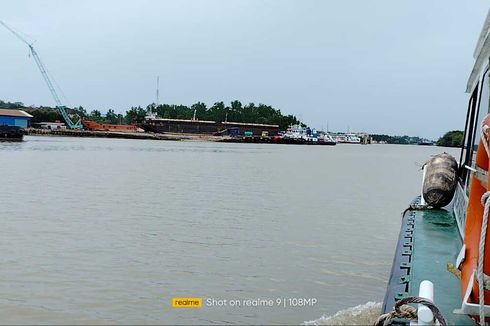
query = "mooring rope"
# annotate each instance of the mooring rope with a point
(415, 207)
(485, 201)
(403, 310)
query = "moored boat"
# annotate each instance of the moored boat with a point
(299, 135)
(426, 142)
(348, 139)
(305, 141)
(11, 133)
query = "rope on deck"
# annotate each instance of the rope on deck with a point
(415, 207)
(403, 310)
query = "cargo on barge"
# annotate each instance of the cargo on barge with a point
(95, 126)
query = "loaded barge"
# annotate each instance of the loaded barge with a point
(442, 260)
(95, 126)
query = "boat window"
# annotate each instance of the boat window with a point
(481, 103)
(464, 158)
(482, 110)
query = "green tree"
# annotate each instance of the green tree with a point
(81, 112)
(46, 115)
(217, 112)
(111, 117)
(453, 138)
(135, 115)
(200, 109)
(9, 105)
(95, 115)
(120, 119)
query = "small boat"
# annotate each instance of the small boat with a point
(11, 133)
(348, 139)
(426, 142)
(328, 140)
(442, 259)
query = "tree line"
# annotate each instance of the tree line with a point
(219, 111)
(235, 111)
(452, 138)
(403, 140)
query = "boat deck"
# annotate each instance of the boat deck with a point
(429, 239)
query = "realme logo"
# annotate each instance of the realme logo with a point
(187, 302)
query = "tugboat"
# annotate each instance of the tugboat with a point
(442, 260)
(11, 133)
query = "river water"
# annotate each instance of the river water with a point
(109, 231)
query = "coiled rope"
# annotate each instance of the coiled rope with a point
(485, 201)
(403, 310)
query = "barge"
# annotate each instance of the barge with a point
(11, 133)
(164, 125)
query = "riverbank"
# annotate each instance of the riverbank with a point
(124, 135)
(168, 136)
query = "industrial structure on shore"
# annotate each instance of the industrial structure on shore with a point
(13, 124)
(152, 125)
(18, 118)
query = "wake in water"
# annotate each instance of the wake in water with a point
(365, 314)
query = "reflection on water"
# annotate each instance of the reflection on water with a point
(108, 230)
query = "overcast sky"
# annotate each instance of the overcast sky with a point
(380, 66)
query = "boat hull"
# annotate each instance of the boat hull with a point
(277, 140)
(429, 239)
(293, 141)
(11, 133)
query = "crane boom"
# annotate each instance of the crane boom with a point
(49, 83)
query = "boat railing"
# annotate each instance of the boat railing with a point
(460, 204)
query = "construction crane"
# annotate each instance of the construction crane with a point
(44, 73)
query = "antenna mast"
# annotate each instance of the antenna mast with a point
(158, 91)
